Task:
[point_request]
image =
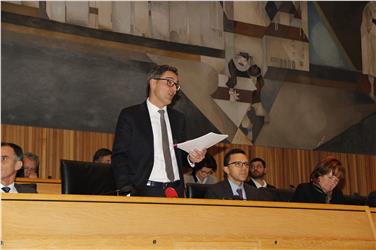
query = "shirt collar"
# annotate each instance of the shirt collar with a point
(234, 187)
(152, 108)
(258, 185)
(11, 186)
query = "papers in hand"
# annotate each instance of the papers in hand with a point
(203, 142)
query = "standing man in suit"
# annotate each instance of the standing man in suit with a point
(144, 159)
(257, 172)
(236, 167)
(11, 162)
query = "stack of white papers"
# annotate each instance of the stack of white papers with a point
(203, 142)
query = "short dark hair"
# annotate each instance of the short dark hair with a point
(156, 72)
(208, 162)
(100, 153)
(260, 160)
(232, 152)
(17, 149)
(327, 165)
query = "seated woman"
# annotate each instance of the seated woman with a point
(325, 185)
(203, 172)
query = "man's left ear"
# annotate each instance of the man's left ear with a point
(19, 165)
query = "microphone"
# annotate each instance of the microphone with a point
(171, 193)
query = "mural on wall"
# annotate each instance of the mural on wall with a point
(368, 36)
(239, 95)
(278, 77)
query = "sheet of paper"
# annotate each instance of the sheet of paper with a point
(203, 142)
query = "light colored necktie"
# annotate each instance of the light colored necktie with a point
(166, 148)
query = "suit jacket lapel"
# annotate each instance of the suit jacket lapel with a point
(146, 123)
(228, 190)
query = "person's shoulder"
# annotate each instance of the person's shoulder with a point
(134, 108)
(249, 188)
(212, 180)
(174, 112)
(304, 185)
(215, 191)
(188, 178)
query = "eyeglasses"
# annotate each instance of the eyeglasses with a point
(170, 82)
(239, 164)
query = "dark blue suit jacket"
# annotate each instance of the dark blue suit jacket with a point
(133, 151)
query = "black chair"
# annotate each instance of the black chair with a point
(284, 195)
(195, 190)
(355, 199)
(78, 177)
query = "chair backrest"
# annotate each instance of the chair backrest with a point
(78, 177)
(284, 195)
(195, 190)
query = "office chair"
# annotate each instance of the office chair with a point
(78, 177)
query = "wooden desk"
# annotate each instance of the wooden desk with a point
(37, 221)
(44, 186)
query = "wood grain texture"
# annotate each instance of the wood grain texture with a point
(284, 166)
(34, 221)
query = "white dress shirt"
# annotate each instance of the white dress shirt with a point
(159, 170)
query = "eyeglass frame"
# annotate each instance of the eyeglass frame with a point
(170, 82)
(243, 163)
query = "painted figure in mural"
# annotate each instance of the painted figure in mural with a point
(241, 65)
(325, 184)
(368, 34)
(144, 159)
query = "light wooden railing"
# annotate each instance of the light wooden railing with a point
(32, 221)
(284, 166)
(44, 186)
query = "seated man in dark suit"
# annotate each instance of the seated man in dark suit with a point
(236, 166)
(11, 162)
(257, 172)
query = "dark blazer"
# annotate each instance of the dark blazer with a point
(222, 190)
(133, 151)
(26, 188)
(310, 193)
(254, 185)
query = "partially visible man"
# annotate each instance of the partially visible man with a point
(102, 155)
(236, 167)
(30, 165)
(145, 161)
(257, 172)
(11, 162)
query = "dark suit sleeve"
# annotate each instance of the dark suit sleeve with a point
(300, 194)
(120, 151)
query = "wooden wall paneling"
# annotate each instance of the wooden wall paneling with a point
(285, 167)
